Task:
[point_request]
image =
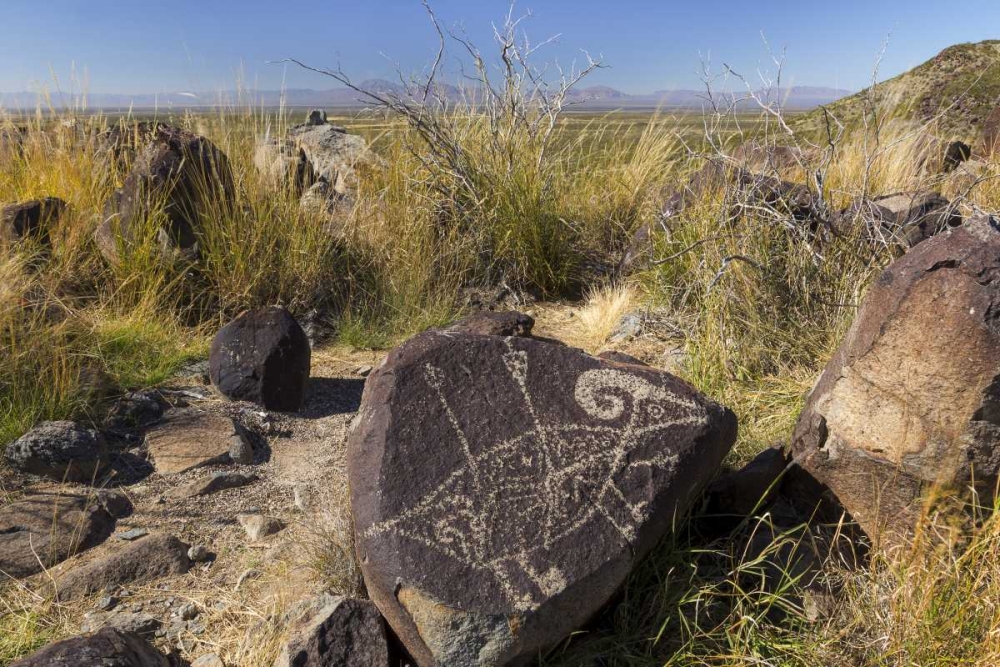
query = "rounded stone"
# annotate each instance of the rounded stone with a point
(59, 450)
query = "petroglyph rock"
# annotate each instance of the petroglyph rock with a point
(503, 488)
(912, 397)
(106, 648)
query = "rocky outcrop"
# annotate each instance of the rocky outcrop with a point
(503, 487)
(330, 150)
(106, 648)
(42, 530)
(31, 219)
(262, 356)
(342, 631)
(175, 171)
(59, 450)
(145, 559)
(912, 396)
(191, 438)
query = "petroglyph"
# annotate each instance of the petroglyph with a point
(514, 504)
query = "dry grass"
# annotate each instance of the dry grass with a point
(601, 314)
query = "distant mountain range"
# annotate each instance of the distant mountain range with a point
(797, 97)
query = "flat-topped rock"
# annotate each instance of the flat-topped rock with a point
(45, 529)
(147, 558)
(503, 488)
(190, 438)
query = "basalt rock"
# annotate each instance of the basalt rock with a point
(912, 397)
(190, 438)
(42, 530)
(31, 219)
(504, 487)
(177, 172)
(262, 356)
(145, 559)
(343, 632)
(332, 153)
(106, 648)
(282, 164)
(59, 450)
(955, 154)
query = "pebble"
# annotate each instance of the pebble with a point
(198, 553)
(363, 371)
(133, 534)
(247, 575)
(107, 603)
(189, 612)
(208, 660)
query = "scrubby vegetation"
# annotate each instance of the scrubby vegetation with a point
(757, 304)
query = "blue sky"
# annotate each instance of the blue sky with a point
(148, 46)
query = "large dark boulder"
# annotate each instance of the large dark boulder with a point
(262, 356)
(59, 450)
(504, 488)
(43, 529)
(175, 171)
(342, 631)
(107, 647)
(912, 397)
(30, 219)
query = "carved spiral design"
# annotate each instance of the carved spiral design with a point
(601, 392)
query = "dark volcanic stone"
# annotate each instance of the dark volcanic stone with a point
(30, 219)
(61, 450)
(145, 559)
(262, 356)
(736, 494)
(42, 530)
(488, 323)
(106, 648)
(911, 399)
(175, 169)
(343, 632)
(504, 488)
(955, 154)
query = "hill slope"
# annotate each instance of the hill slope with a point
(961, 84)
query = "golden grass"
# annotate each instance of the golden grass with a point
(602, 312)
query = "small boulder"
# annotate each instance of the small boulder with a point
(911, 398)
(917, 216)
(59, 450)
(157, 555)
(191, 438)
(503, 488)
(258, 526)
(208, 660)
(263, 357)
(42, 530)
(31, 219)
(343, 632)
(137, 623)
(955, 154)
(137, 409)
(489, 323)
(105, 648)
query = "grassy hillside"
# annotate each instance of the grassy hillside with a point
(955, 90)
